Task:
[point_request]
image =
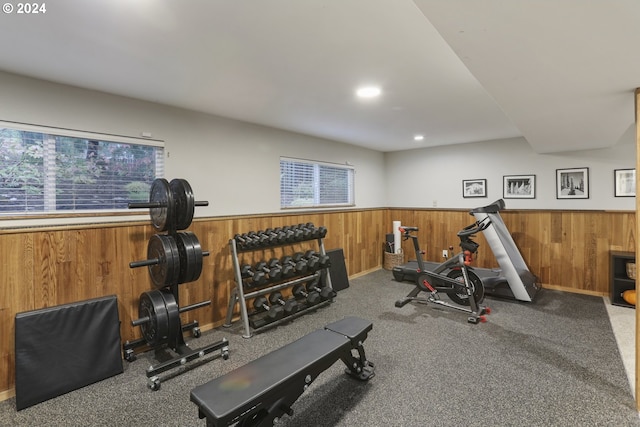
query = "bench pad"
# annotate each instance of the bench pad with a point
(353, 328)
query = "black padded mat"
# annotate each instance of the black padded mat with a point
(66, 347)
(338, 270)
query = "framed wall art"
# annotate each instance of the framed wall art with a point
(572, 183)
(519, 187)
(474, 188)
(625, 182)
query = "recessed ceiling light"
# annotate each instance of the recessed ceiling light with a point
(368, 92)
(418, 138)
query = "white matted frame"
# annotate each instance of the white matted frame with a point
(625, 182)
(572, 183)
(474, 188)
(519, 187)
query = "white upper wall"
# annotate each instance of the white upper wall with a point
(235, 165)
(428, 177)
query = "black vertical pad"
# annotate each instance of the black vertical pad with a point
(338, 270)
(66, 347)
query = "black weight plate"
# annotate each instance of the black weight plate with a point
(152, 305)
(190, 256)
(167, 271)
(198, 258)
(183, 242)
(160, 193)
(173, 316)
(184, 202)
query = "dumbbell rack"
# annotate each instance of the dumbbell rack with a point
(238, 295)
(171, 208)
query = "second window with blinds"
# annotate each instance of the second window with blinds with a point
(313, 184)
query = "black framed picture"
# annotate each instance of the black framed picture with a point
(474, 188)
(625, 182)
(572, 183)
(519, 187)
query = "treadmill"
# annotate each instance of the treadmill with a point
(512, 280)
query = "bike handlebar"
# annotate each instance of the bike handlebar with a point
(494, 207)
(474, 228)
(470, 229)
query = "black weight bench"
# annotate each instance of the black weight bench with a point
(265, 389)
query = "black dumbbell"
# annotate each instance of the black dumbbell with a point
(299, 257)
(241, 241)
(298, 263)
(245, 240)
(293, 233)
(324, 291)
(322, 231)
(273, 312)
(282, 236)
(307, 230)
(253, 278)
(298, 233)
(287, 269)
(323, 261)
(250, 240)
(318, 232)
(301, 234)
(311, 228)
(274, 238)
(312, 297)
(268, 236)
(313, 261)
(290, 306)
(261, 238)
(254, 239)
(288, 234)
(273, 269)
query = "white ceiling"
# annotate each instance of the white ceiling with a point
(560, 73)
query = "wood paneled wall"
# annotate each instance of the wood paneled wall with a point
(567, 250)
(43, 268)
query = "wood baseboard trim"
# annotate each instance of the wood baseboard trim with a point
(573, 290)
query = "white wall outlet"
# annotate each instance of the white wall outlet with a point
(435, 203)
(445, 253)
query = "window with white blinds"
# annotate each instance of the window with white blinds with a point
(58, 170)
(305, 183)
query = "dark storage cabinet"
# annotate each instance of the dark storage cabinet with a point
(620, 281)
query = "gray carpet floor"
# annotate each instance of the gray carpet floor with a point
(554, 362)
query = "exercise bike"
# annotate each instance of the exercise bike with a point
(453, 277)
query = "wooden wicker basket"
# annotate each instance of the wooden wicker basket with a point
(392, 260)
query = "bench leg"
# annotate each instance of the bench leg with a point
(358, 366)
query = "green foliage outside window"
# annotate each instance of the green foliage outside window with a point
(44, 173)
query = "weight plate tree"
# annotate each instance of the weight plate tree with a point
(172, 259)
(300, 268)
